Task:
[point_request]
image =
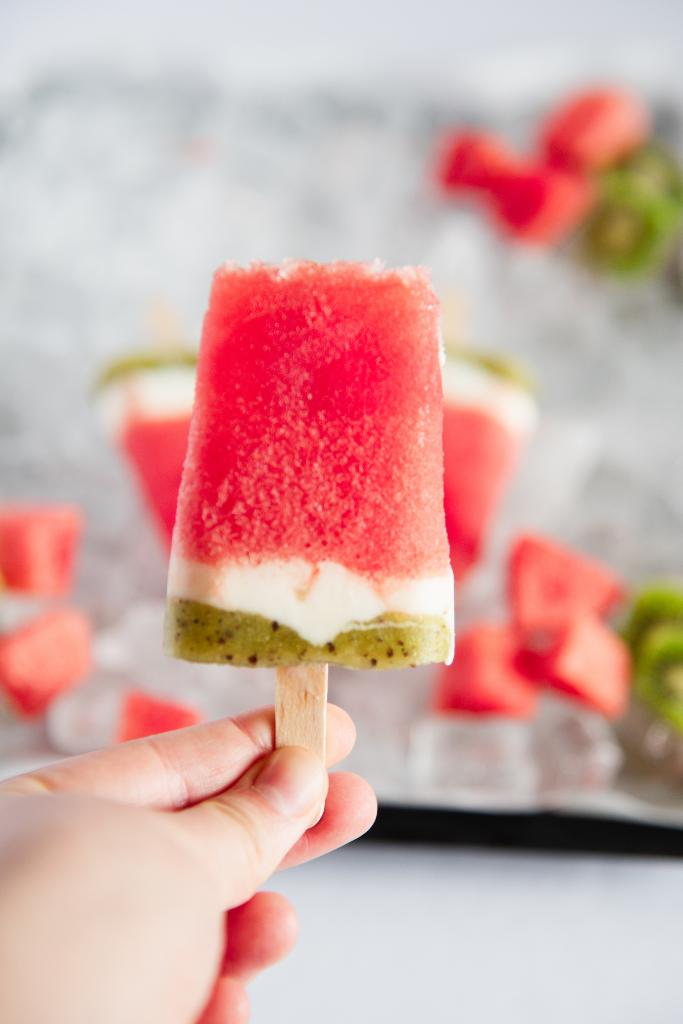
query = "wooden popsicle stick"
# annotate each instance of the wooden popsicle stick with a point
(301, 707)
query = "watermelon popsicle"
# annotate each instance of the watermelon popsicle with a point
(489, 414)
(145, 402)
(310, 524)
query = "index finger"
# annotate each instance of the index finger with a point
(177, 769)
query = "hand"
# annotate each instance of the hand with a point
(128, 876)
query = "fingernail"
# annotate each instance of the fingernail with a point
(293, 782)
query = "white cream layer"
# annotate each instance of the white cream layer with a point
(471, 386)
(318, 601)
(163, 392)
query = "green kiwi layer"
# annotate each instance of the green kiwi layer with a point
(504, 367)
(136, 362)
(199, 632)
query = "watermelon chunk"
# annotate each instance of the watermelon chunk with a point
(539, 204)
(484, 678)
(549, 585)
(144, 715)
(38, 545)
(43, 659)
(595, 128)
(590, 662)
(469, 160)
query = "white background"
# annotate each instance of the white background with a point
(395, 933)
(305, 37)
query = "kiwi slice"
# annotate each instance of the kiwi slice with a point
(630, 233)
(136, 362)
(660, 604)
(634, 225)
(199, 632)
(659, 674)
(505, 367)
(653, 170)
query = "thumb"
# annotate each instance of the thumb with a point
(241, 835)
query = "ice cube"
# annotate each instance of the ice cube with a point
(576, 749)
(384, 712)
(87, 718)
(470, 760)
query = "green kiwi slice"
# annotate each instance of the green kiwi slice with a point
(505, 367)
(633, 227)
(655, 170)
(660, 604)
(136, 362)
(659, 674)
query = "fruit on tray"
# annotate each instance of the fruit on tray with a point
(144, 715)
(596, 173)
(145, 403)
(653, 170)
(470, 160)
(484, 678)
(538, 204)
(489, 415)
(43, 659)
(634, 227)
(594, 128)
(527, 199)
(549, 586)
(659, 604)
(38, 547)
(590, 662)
(659, 673)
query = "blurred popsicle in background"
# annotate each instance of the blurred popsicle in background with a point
(145, 402)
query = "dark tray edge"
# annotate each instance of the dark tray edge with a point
(558, 832)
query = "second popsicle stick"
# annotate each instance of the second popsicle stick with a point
(301, 707)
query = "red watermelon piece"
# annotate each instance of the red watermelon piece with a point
(43, 659)
(590, 662)
(594, 129)
(317, 425)
(480, 456)
(38, 546)
(143, 715)
(550, 585)
(468, 161)
(539, 204)
(156, 450)
(484, 678)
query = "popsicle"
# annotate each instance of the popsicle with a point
(310, 524)
(489, 414)
(145, 402)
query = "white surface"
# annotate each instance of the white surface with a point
(401, 934)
